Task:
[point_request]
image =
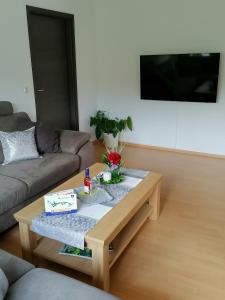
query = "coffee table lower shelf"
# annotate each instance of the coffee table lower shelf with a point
(48, 249)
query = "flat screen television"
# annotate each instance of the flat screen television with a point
(180, 77)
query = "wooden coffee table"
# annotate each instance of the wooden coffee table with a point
(119, 226)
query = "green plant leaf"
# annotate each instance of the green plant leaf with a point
(104, 159)
(124, 124)
(104, 124)
(100, 114)
(98, 132)
(129, 123)
(119, 125)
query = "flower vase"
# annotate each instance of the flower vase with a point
(113, 161)
(115, 171)
(110, 141)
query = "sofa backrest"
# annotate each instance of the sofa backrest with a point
(6, 108)
(10, 121)
(15, 122)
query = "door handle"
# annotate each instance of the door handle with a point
(41, 90)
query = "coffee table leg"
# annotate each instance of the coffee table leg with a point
(28, 241)
(154, 202)
(100, 263)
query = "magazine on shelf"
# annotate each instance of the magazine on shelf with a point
(74, 251)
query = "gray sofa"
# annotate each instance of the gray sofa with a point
(25, 181)
(27, 282)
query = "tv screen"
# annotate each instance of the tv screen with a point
(180, 77)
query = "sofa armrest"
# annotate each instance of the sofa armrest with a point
(87, 155)
(13, 267)
(72, 141)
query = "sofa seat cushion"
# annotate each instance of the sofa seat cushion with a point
(40, 174)
(42, 284)
(4, 284)
(13, 192)
(13, 266)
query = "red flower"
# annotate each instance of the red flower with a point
(114, 158)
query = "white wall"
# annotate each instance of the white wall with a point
(15, 64)
(125, 29)
(110, 37)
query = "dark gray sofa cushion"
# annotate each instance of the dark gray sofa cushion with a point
(39, 174)
(6, 108)
(13, 267)
(47, 138)
(12, 192)
(42, 284)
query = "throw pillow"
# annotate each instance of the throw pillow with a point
(47, 138)
(18, 145)
(4, 284)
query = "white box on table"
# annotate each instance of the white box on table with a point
(62, 202)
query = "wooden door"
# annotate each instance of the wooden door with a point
(51, 37)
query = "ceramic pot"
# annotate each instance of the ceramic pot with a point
(110, 141)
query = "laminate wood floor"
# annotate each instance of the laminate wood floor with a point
(182, 255)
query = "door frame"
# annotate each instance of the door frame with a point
(71, 55)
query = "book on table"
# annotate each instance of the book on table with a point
(59, 203)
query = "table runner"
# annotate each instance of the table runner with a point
(72, 228)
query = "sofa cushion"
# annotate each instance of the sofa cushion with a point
(18, 145)
(13, 192)
(13, 266)
(4, 284)
(42, 284)
(6, 108)
(12, 122)
(47, 138)
(40, 174)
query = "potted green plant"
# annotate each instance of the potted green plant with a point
(109, 128)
